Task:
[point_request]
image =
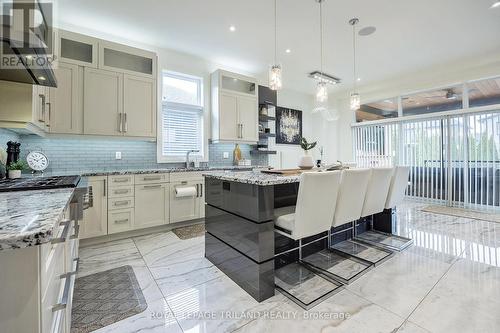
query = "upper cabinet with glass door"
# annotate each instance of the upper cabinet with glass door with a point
(235, 83)
(77, 49)
(126, 59)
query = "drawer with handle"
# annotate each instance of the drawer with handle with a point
(120, 180)
(186, 176)
(152, 178)
(120, 220)
(121, 191)
(64, 301)
(120, 203)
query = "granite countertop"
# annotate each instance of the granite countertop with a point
(27, 218)
(87, 173)
(253, 177)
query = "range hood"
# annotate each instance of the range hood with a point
(25, 52)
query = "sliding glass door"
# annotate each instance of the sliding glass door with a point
(454, 159)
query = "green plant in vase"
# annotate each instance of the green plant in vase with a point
(306, 161)
(14, 169)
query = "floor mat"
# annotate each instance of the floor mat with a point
(104, 298)
(191, 231)
(461, 212)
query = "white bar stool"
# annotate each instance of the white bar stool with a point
(350, 204)
(313, 214)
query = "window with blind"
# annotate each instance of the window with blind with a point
(182, 116)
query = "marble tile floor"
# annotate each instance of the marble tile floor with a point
(448, 281)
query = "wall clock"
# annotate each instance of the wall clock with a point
(37, 161)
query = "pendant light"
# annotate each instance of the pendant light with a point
(321, 89)
(355, 100)
(275, 82)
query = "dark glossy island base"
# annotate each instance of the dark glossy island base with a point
(240, 238)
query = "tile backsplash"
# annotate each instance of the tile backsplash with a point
(6, 136)
(69, 155)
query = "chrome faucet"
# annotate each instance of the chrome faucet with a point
(187, 157)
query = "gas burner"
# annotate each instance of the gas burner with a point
(38, 183)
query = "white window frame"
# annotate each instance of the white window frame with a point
(202, 156)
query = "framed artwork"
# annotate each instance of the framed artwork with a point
(288, 126)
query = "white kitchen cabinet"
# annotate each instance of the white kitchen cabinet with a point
(126, 59)
(95, 219)
(185, 208)
(103, 102)
(65, 110)
(139, 106)
(248, 118)
(229, 128)
(151, 205)
(234, 108)
(24, 106)
(120, 220)
(77, 49)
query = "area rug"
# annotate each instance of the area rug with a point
(191, 231)
(461, 212)
(104, 298)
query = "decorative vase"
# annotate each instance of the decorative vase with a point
(306, 161)
(14, 174)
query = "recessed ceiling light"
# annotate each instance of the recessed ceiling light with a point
(42, 78)
(358, 79)
(232, 28)
(495, 5)
(288, 50)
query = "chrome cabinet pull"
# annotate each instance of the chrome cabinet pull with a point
(125, 126)
(120, 180)
(48, 114)
(122, 203)
(121, 191)
(151, 186)
(67, 288)
(121, 221)
(41, 114)
(201, 190)
(104, 189)
(64, 235)
(197, 190)
(76, 264)
(184, 182)
(120, 122)
(152, 178)
(77, 231)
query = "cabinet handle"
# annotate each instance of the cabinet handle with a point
(48, 114)
(64, 300)
(76, 264)
(64, 234)
(151, 186)
(152, 178)
(121, 221)
(121, 191)
(42, 114)
(104, 189)
(122, 203)
(184, 182)
(197, 190)
(120, 122)
(201, 190)
(77, 231)
(120, 180)
(125, 126)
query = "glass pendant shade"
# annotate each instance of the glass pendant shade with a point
(275, 82)
(321, 92)
(355, 101)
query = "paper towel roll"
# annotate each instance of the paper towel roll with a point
(185, 191)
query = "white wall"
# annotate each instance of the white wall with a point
(314, 128)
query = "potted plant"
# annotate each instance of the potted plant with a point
(306, 161)
(14, 169)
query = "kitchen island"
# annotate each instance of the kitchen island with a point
(239, 217)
